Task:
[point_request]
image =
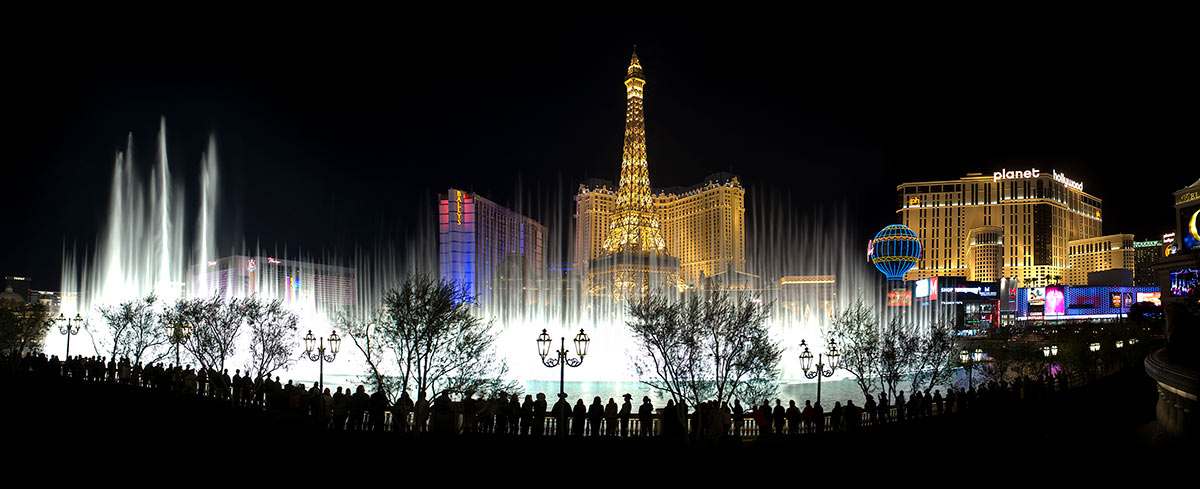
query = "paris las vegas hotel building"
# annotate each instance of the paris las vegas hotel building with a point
(1039, 227)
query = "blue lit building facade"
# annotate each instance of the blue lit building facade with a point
(477, 236)
(1069, 303)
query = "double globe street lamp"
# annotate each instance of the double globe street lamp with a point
(69, 327)
(560, 360)
(319, 355)
(968, 359)
(806, 358)
(1050, 351)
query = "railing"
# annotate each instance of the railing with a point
(749, 429)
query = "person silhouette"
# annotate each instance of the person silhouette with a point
(527, 408)
(378, 404)
(341, 406)
(764, 418)
(539, 415)
(778, 416)
(806, 416)
(610, 417)
(442, 422)
(793, 418)
(853, 416)
(646, 417)
(421, 412)
(595, 416)
(561, 413)
(835, 417)
(580, 418)
(625, 413)
(359, 403)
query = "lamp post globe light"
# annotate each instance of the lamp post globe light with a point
(69, 327)
(1050, 351)
(806, 358)
(560, 360)
(180, 331)
(1094, 347)
(319, 354)
(968, 362)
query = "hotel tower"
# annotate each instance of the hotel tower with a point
(1036, 226)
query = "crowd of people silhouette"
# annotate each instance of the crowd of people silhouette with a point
(508, 414)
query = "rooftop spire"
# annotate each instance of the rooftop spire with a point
(635, 67)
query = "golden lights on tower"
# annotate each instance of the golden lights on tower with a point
(634, 226)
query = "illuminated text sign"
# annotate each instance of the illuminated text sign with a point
(1062, 178)
(458, 205)
(1014, 174)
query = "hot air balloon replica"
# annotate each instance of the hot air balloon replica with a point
(894, 251)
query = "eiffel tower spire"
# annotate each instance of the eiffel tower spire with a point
(635, 223)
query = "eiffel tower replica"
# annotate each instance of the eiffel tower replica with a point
(635, 262)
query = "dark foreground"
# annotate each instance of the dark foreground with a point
(60, 423)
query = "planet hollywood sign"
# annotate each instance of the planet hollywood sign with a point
(1005, 174)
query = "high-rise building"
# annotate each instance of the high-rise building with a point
(476, 236)
(701, 226)
(1112, 252)
(1038, 214)
(1145, 255)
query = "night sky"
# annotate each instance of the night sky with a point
(330, 138)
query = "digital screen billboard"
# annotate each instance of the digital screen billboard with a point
(921, 288)
(1114, 299)
(899, 297)
(1155, 297)
(1037, 296)
(1055, 300)
(1184, 281)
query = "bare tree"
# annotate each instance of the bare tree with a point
(435, 340)
(365, 336)
(135, 331)
(934, 360)
(709, 346)
(666, 362)
(272, 336)
(216, 325)
(897, 347)
(856, 330)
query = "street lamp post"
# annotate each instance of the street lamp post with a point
(319, 355)
(69, 327)
(560, 360)
(968, 359)
(806, 358)
(180, 331)
(1050, 351)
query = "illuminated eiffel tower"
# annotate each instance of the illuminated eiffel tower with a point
(636, 261)
(635, 223)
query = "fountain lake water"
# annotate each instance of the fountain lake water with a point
(146, 247)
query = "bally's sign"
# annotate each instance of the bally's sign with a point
(1004, 174)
